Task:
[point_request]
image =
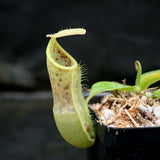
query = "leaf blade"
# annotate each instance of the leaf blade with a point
(108, 86)
(144, 75)
(149, 79)
(156, 94)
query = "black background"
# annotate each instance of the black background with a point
(118, 33)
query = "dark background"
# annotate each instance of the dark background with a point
(118, 33)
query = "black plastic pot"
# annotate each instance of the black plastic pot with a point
(124, 143)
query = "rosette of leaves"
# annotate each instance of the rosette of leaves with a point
(142, 82)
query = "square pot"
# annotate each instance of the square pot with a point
(123, 143)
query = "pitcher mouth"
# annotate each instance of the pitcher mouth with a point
(59, 57)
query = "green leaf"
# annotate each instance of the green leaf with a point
(139, 72)
(144, 75)
(156, 94)
(109, 86)
(149, 78)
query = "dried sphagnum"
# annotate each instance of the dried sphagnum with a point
(128, 110)
(129, 106)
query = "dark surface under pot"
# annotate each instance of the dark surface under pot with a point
(124, 143)
(28, 130)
